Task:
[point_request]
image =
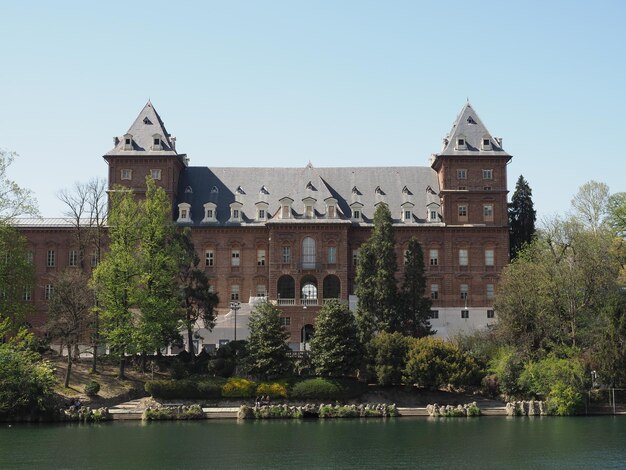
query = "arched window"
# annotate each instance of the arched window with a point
(286, 289)
(332, 287)
(308, 253)
(308, 290)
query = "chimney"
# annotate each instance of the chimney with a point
(499, 140)
(173, 140)
(116, 140)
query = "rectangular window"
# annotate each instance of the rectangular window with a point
(491, 314)
(285, 321)
(488, 174)
(94, 259)
(260, 257)
(434, 314)
(463, 257)
(488, 212)
(155, 174)
(261, 290)
(407, 215)
(235, 258)
(331, 212)
(47, 291)
(127, 174)
(461, 174)
(286, 254)
(286, 212)
(308, 212)
(30, 257)
(209, 258)
(355, 257)
(261, 214)
(356, 214)
(51, 259)
(463, 212)
(434, 257)
(433, 215)
(236, 214)
(73, 258)
(234, 292)
(434, 291)
(464, 313)
(209, 213)
(490, 291)
(489, 257)
(464, 290)
(487, 188)
(27, 294)
(332, 254)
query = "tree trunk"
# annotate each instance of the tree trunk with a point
(122, 374)
(192, 352)
(68, 371)
(94, 363)
(143, 362)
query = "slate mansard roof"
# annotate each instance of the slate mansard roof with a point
(411, 188)
(358, 188)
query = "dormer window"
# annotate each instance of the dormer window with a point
(235, 211)
(432, 215)
(184, 212)
(331, 208)
(261, 211)
(128, 142)
(214, 190)
(156, 142)
(155, 174)
(461, 143)
(486, 143)
(407, 212)
(357, 211)
(147, 121)
(127, 174)
(285, 207)
(210, 212)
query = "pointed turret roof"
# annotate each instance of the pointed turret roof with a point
(143, 131)
(470, 130)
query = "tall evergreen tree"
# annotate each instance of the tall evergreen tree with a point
(415, 312)
(197, 299)
(522, 217)
(267, 343)
(335, 349)
(375, 278)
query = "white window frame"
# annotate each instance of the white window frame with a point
(461, 174)
(51, 259)
(355, 257)
(490, 257)
(463, 210)
(47, 292)
(234, 292)
(235, 257)
(155, 173)
(332, 255)
(286, 254)
(261, 290)
(210, 212)
(209, 258)
(126, 174)
(487, 173)
(309, 253)
(260, 257)
(464, 289)
(463, 257)
(490, 291)
(488, 212)
(434, 257)
(72, 258)
(432, 215)
(434, 291)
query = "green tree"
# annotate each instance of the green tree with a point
(198, 300)
(267, 344)
(335, 348)
(609, 350)
(522, 217)
(117, 277)
(616, 214)
(386, 354)
(375, 278)
(17, 276)
(70, 312)
(434, 363)
(159, 253)
(26, 381)
(415, 310)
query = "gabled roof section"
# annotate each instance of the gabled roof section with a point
(146, 126)
(472, 131)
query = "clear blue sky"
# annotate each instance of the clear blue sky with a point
(339, 83)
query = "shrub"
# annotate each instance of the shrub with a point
(434, 363)
(322, 388)
(177, 389)
(92, 388)
(178, 369)
(387, 357)
(274, 390)
(238, 388)
(564, 400)
(473, 410)
(507, 367)
(276, 411)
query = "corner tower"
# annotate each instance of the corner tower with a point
(147, 149)
(471, 169)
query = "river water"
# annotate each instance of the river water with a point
(486, 442)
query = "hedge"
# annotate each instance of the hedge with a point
(179, 389)
(322, 388)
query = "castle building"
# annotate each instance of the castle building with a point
(292, 235)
